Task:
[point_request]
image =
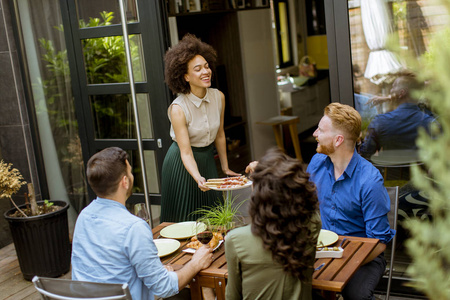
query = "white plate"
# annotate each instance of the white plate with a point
(238, 187)
(190, 250)
(183, 230)
(327, 237)
(166, 246)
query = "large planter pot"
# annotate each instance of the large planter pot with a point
(42, 242)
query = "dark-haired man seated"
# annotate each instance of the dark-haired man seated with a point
(111, 245)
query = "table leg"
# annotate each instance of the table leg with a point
(278, 137)
(220, 288)
(196, 290)
(329, 295)
(295, 141)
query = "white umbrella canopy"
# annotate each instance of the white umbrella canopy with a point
(377, 26)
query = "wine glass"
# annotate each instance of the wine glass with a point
(206, 235)
(140, 210)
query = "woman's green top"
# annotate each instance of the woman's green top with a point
(252, 273)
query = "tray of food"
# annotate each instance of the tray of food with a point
(228, 183)
(195, 244)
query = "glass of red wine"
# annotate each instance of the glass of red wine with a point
(140, 210)
(204, 232)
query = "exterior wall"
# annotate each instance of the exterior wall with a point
(16, 145)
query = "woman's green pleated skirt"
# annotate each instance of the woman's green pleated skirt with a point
(180, 195)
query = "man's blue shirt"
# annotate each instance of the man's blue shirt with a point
(113, 246)
(357, 203)
(394, 130)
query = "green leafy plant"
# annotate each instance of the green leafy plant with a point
(223, 215)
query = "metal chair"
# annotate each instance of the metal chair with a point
(66, 289)
(392, 216)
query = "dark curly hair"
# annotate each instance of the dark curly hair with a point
(177, 59)
(282, 207)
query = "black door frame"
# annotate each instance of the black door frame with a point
(155, 40)
(339, 51)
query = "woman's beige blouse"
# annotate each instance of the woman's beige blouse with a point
(202, 116)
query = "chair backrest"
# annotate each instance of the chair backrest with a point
(66, 289)
(392, 216)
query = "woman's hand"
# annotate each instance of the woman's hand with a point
(251, 167)
(201, 184)
(228, 172)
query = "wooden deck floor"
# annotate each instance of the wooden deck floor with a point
(12, 284)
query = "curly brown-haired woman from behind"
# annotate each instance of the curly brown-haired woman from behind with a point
(273, 257)
(197, 117)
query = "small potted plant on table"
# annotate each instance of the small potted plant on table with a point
(223, 216)
(39, 229)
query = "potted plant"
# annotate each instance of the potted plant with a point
(39, 229)
(224, 215)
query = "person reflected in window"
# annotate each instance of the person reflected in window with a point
(197, 118)
(353, 199)
(273, 257)
(397, 129)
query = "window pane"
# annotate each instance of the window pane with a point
(145, 116)
(378, 72)
(101, 11)
(152, 174)
(105, 59)
(114, 118)
(48, 67)
(397, 108)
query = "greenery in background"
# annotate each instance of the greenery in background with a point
(430, 241)
(105, 62)
(223, 215)
(399, 11)
(105, 57)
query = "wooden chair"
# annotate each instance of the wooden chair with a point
(66, 289)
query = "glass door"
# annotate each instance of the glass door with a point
(100, 82)
(378, 82)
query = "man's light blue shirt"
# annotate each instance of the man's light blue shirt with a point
(357, 203)
(113, 246)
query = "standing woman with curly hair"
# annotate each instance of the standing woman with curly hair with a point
(273, 257)
(197, 117)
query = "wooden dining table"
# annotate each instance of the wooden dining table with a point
(329, 279)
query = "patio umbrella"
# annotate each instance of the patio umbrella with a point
(377, 27)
